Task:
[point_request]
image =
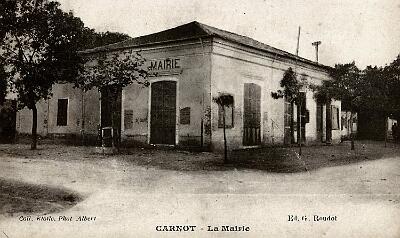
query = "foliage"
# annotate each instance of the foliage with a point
(375, 90)
(39, 44)
(119, 69)
(392, 77)
(292, 87)
(372, 89)
(3, 85)
(345, 86)
(94, 39)
(224, 99)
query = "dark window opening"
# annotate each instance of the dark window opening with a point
(185, 116)
(62, 112)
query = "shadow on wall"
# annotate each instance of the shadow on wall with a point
(23, 198)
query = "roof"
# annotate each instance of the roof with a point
(195, 30)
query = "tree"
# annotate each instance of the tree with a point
(224, 100)
(392, 76)
(381, 87)
(95, 39)
(39, 44)
(3, 85)
(110, 73)
(293, 92)
(392, 73)
(118, 69)
(347, 86)
(376, 99)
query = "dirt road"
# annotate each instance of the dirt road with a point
(135, 195)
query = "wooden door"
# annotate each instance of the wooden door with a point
(111, 105)
(320, 122)
(163, 113)
(301, 112)
(288, 123)
(252, 115)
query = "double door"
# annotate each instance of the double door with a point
(163, 113)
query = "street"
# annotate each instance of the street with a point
(137, 194)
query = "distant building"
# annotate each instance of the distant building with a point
(194, 63)
(349, 125)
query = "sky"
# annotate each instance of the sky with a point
(366, 31)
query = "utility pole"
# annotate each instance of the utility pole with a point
(299, 101)
(298, 42)
(316, 44)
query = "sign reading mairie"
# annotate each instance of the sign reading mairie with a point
(163, 65)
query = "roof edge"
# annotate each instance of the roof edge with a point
(209, 31)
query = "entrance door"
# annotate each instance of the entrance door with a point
(252, 114)
(163, 113)
(301, 112)
(288, 123)
(320, 122)
(111, 104)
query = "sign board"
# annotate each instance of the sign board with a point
(164, 65)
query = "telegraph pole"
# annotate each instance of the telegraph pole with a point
(299, 109)
(298, 42)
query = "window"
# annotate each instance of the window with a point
(62, 112)
(229, 116)
(185, 116)
(335, 117)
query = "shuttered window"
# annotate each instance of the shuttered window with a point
(62, 112)
(335, 117)
(252, 114)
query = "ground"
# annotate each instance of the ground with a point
(132, 193)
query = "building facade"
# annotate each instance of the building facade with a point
(192, 64)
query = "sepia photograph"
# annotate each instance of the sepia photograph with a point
(199, 118)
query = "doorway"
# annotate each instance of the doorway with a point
(163, 113)
(320, 122)
(252, 115)
(111, 103)
(301, 110)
